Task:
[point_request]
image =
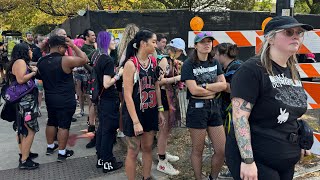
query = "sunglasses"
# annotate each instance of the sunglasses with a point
(202, 34)
(291, 32)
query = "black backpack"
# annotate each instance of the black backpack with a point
(93, 84)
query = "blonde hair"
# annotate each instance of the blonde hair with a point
(128, 34)
(267, 62)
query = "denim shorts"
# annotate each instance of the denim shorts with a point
(203, 113)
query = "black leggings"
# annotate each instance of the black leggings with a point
(275, 169)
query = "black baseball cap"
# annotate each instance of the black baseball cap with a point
(284, 22)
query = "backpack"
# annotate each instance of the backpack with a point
(93, 84)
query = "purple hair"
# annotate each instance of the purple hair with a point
(103, 41)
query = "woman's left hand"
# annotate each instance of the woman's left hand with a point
(305, 153)
(162, 120)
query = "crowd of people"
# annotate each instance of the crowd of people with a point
(132, 87)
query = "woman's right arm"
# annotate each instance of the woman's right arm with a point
(241, 110)
(19, 69)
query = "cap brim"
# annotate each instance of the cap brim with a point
(184, 52)
(212, 38)
(304, 26)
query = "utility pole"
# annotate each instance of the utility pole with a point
(284, 7)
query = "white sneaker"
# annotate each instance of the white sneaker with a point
(165, 167)
(120, 134)
(172, 158)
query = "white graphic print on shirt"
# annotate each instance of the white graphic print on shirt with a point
(205, 75)
(283, 117)
(289, 93)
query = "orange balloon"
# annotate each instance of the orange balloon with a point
(265, 22)
(196, 23)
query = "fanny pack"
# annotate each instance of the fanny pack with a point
(305, 135)
(14, 92)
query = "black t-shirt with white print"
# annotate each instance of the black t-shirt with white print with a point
(202, 72)
(278, 102)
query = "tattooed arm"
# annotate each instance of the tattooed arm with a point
(241, 110)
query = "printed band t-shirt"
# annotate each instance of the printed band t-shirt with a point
(202, 72)
(278, 102)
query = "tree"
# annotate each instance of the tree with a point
(264, 5)
(241, 4)
(307, 6)
(9, 5)
(196, 5)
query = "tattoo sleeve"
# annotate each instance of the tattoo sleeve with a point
(241, 112)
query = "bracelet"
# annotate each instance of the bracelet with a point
(161, 109)
(115, 80)
(136, 123)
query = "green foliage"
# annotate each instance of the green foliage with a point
(241, 4)
(264, 5)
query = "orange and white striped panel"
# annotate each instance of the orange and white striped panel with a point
(241, 38)
(312, 89)
(315, 149)
(309, 70)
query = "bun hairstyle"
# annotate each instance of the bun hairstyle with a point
(231, 50)
(134, 44)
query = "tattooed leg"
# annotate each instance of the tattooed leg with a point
(133, 144)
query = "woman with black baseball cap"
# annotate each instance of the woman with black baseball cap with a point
(267, 98)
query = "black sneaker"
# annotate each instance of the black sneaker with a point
(99, 163)
(62, 158)
(112, 165)
(28, 164)
(92, 143)
(52, 150)
(31, 155)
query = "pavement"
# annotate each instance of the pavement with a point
(80, 166)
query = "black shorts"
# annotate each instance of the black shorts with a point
(60, 117)
(203, 113)
(164, 100)
(148, 120)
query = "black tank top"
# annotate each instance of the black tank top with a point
(58, 85)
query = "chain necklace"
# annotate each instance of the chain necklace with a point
(143, 63)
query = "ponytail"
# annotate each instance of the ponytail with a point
(131, 51)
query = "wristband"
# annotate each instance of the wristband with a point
(116, 77)
(161, 109)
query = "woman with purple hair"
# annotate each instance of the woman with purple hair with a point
(108, 105)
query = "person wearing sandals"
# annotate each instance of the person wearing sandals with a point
(18, 66)
(267, 99)
(169, 83)
(142, 95)
(204, 79)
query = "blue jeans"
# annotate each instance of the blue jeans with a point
(108, 113)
